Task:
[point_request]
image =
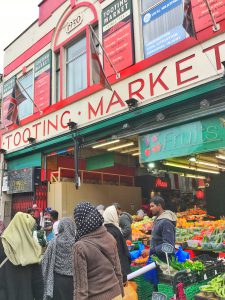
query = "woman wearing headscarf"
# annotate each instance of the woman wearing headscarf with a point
(20, 255)
(97, 271)
(57, 263)
(111, 222)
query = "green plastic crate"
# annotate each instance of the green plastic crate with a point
(144, 288)
(190, 291)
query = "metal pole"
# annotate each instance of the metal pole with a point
(215, 25)
(76, 162)
(109, 60)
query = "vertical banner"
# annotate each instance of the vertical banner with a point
(202, 18)
(7, 92)
(42, 80)
(117, 29)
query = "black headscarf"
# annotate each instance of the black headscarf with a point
(87, 219)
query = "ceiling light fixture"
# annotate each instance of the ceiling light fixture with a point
(136, 154)
(220, 156)
(105, 144)
(121, 146)
(192, 159)
(209, 164)
(129, 150)
(177, 165)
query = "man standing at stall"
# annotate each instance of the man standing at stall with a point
(164, 227)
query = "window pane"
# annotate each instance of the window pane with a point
(57, 77)
(77, 75)
(26, 107)
(162, 26)
(76, 67)
(76, 49)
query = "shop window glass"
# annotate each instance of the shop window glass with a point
(26, 107)
(57, 77)
(76, 67)
(161, 25)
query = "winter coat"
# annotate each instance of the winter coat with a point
(97, 271)
(124, 254)
(20, 282)
(164, 231)
(125, 222)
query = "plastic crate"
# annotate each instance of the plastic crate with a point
(190, 291)
(144, 287)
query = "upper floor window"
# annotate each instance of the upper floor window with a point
(161, 25)
(26, 107)
(57, 77)
(76, 67)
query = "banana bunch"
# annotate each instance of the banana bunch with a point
(216, 286)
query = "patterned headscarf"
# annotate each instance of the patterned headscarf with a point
(58, 256)
(87, 219)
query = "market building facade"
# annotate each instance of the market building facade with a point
(164, 84)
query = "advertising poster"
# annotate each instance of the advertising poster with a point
(42, 81)
(118, 35)
(21, 181)
(169, 36)
(202, 18)
(7, 92)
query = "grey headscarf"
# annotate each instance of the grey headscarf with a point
(58, 256)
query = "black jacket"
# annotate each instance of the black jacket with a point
(164, 231)
(125, 222)
(124, 254)
(20, 283)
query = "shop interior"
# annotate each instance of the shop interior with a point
(110, 172)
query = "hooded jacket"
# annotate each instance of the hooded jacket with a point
(125, 222)
(164, 231)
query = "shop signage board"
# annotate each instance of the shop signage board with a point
(21, 181)
(165, 79)
(196, 137)
(42, 81)
(118, 35)
(202, 18)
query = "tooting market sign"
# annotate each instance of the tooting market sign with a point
(164, 79)
(196, 137)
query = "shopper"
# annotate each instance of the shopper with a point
(125, 221)
(20, 255)
(111, 222)
(57, 263)
(101, 209)
(97, 271)
(164, 228)
(54, 217)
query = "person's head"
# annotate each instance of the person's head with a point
(100, 208)
(67, 228)
(111, 216)
(157, 205)
(54, 215)
(18, 235)
(31, 212)
(34, 206)
(87, 219)
(118, 208)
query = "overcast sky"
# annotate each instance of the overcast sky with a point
(15, 17)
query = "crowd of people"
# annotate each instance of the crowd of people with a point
(86, 257)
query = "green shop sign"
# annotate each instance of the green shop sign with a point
(196, 137)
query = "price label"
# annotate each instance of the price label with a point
(158, 296)
(167, 248)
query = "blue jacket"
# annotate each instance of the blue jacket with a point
(164, 231)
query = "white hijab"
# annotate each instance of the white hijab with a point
(110, 216)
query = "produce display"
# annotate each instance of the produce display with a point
(215, 287)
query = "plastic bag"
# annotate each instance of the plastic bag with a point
(182, 255)
(152, 275)
(137, 253)
(130, 291)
